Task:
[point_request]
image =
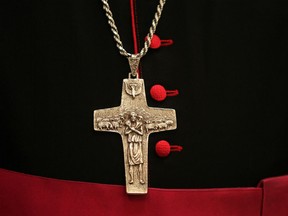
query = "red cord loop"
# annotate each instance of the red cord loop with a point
(175, 148)
(172, 92)
(159, 93)
(163, 148)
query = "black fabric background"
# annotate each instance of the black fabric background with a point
(229, 62)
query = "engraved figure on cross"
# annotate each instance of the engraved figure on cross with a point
(134, 132)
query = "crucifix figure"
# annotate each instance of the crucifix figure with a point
(134, 121)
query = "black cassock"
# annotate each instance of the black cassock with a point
(228, 62)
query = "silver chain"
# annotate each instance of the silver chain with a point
(116, 35)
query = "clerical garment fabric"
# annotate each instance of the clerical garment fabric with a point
(28, 195)
(60, 63)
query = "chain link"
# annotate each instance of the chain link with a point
(150, 34)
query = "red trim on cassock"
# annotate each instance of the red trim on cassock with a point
(27, 195)
(275, 196)
(133, 26)
(134, 30)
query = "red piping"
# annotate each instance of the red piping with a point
(134, 32)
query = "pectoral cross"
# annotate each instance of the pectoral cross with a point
(134, 121)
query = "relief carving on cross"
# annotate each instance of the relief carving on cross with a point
(134, 121)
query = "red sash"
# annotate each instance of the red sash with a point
(27, 195)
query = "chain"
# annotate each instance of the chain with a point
(116, 35)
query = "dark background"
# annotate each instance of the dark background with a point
(228, 61)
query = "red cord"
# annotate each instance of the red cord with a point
(172, 92)
(167, 42)
(132, 8)
(176, 148)
(133, 26)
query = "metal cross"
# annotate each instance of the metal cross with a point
(134, 121)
